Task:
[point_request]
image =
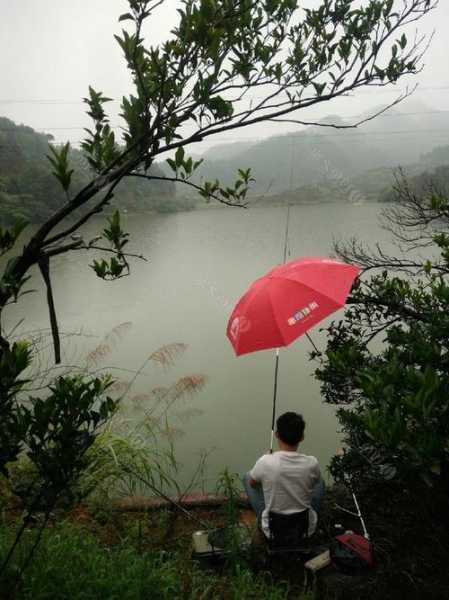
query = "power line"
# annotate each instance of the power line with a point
(304, 135)
(348, 118)
(437, 134)
(397, 115)
(57, 101)
(49, 102)
(382, 133)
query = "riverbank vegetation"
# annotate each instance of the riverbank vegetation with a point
(28, 189)
(132, 556)
(98, 550)
(386, 370)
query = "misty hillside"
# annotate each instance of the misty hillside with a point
(222, 152)
(435, 181)
(312, 156)
(29, 190)
(315, 165)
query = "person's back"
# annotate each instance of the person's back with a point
(286, 481)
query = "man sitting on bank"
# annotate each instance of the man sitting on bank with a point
(286, 481)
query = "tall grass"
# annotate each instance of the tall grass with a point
(134, 454)
(71, 564)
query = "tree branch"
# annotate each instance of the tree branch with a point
(82, 246)
(189, 183)
(44, 266)
(395, 102)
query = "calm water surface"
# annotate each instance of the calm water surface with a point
(200, 263)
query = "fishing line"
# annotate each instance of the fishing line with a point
(284, 258)
(286, 252)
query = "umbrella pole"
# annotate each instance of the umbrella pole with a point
(273, 418)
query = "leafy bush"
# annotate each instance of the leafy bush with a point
(386, 363)
(71, 563)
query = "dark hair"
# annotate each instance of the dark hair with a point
(290, 428)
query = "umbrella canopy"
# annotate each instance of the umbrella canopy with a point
(286, 302)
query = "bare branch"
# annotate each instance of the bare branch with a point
(44, 266)
(397, 101)
(82, 246)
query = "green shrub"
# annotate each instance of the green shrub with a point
(71, 564)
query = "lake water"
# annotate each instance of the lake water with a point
(199, 264)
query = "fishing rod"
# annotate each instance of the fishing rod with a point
(357, 514)
(204, 541)
(276, 365)
(168, 499)
(284, 260)
(351, 552)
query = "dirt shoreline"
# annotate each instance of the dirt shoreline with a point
(199, 500)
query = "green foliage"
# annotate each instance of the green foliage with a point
(59, 159)
(63, 427)
(53, 432)
(8, 237)
(29, 190)
(128, 461)
(10, 282)
(222, 45)
(217, 52)
(117, 266)
(72, 563)
(27, 184)
(386, 363)
(14, 423)
(229, 485)
(100, 147)
(184, 168)
(235, 195)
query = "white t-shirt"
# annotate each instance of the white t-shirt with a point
(287, 479)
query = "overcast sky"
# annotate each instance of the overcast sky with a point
(51, 50)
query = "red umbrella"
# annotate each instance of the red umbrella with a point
(286, 302)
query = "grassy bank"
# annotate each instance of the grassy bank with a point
(103, 552)
(73, 562)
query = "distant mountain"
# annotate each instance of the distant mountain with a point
(435, 181)
(436, 158)
(225, 151)
(408, 131)
(29, 190)
(324, 155)
(313, 165)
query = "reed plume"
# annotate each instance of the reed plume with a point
(166, 355)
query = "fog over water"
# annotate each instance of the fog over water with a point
(200, 263)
